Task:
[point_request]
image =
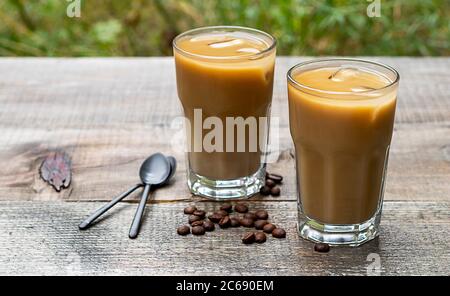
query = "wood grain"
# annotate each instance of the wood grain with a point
(109, 114)
(44, 239)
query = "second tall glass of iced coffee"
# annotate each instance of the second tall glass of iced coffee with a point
(341, 115)
(225, 81)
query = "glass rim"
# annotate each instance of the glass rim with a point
(243, 57)
(301, 86)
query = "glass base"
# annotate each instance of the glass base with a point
(352, 235)
(226, 189)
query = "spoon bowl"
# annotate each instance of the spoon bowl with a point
(173, 168)
(155, 170)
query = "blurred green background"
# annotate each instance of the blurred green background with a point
(146, 28)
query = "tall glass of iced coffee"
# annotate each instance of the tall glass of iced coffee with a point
(224, 81)
(341, 114)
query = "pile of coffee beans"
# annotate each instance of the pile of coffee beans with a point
(272, 185)
(200, 222)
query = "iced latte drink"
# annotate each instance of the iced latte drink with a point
(341, 115)
(224, 82)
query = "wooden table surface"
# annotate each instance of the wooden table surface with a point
(109, 114)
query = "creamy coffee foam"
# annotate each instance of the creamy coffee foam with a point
(223, 44)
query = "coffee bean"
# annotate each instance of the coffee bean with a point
(270, 183)
(265, 190)
(260, 237)
(275, 191)
(193, 218)
(183, 230)
(322, 248)
(274, 177)
(250, 215)
(215, 217)
(222, 213)
(268, 228)
(235, 222)
(279, 233)
(197, 223)
(209, 226)
(259, 224)
(241, 208)
(246, 222)
(225, 222)
(190, 210)
(248, 238)
(199, 213)
(262, 215)
(227, 207)
(198, 230)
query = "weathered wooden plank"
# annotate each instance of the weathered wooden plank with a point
(418, 169)
(44, 239)
(109, 114)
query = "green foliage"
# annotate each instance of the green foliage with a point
(146, 28)
(107, 32)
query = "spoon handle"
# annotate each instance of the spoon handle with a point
(86, 223)
(136, 225)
